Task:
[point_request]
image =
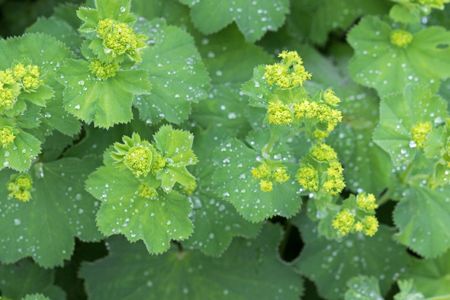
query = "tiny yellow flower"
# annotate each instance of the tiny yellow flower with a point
(366, 202)
(370, 225)
(119, 38)
(265, 185)
(139, 160)
(19, 71)
(280, 175)
(289, 73)
(323, 152)
(401, 38)
(7, 77)
(330, 98)
(7, 137)
(308, 177)
(30, 83)
(159, 162)
(419, 133)
(306, 110)
(335, 169)
(279, 113)
(334, 186)
(262, 171)
(318, 112)
(343, 222)
(147, 192)
(19, 187)
(103, 70)
(8, 97)
(359, 227)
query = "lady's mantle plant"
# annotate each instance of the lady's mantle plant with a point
(218, 153)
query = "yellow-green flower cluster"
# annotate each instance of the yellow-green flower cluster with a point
(366, 202)
(279, 113)
(345, 223)
(289, 73)
(140, 157)
(332, 179)
(19, 187)
(358, 219)
(401, 38)
(7, 137)
(103, 70)
(147, 192)
(330, 98)
(419, 133)
(120, 38)
(268, 174)
(322, 113)
(139, 160)
(369, 225)
(334, 183)
(308, 177)
(16, 79)
(323, 152)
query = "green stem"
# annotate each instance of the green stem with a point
(267, 149)
(386, 197)
(404, 176)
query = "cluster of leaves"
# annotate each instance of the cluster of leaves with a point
(218, 154)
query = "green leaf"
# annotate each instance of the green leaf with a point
(233, 181)
(177, 74)
(103, 102)
(225, 109)
(114, 9)
(54, 146)
(176, 147)
(104, 9)
(20, 154)
(366, 166)
(399, 113)
(363, 288)
(36, 48)
(254, 18)
(44, 228)
(431, 276)
(25, 277)
(408, 291)
(387, 68)
(405, 13)
(229, 58)
(171, 10)
(123, 210)
(315, 19)
(59, 29)
(96, 141)
(354, 255)
(216, 221)
(248, 270)
(423, 217)
(58, 118)
(35, 297)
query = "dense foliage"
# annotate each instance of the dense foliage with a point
(225, 149)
